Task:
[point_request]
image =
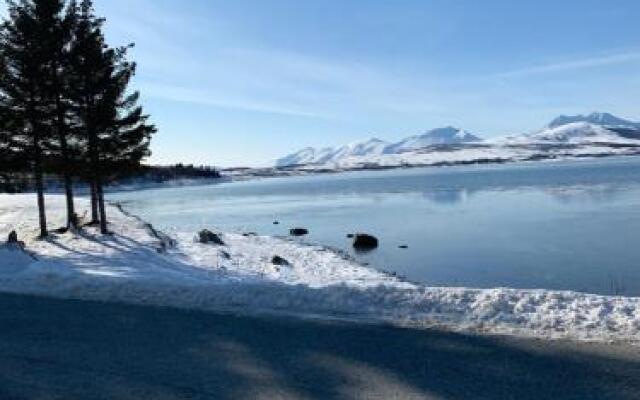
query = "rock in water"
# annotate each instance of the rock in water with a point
(13, 237)
(350, 235)
(277, 260)
(298, 231)
(363, 241)
(206, 236)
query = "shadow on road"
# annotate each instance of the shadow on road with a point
(77, 350)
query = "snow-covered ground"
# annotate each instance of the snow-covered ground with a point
(131, 267)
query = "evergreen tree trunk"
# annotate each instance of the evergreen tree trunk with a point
(72, 220)
(97, 196)
(103, 212)
(37, 170)
(95, 220)
(41, 206)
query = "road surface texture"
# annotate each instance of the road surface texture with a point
(58, 349)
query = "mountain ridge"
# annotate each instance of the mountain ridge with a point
(595, 118)
(597, 127)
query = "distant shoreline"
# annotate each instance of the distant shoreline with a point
(309, 170)
(247, 174)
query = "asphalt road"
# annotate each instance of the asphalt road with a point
(54, 349)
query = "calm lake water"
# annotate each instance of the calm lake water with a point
(562, 225)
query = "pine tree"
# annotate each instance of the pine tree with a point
(86, 68)
(115, 129)
(23, 84)
(57, 46)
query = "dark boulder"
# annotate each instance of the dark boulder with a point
(350, 235)
(403, 246)
(276, 222)
(206, 236)
(277, 260)
(225, 255)
(298, 231)
(248, 234)
(363, 241)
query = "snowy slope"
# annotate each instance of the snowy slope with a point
(376, 147)
(439, 136)
(128, 267)
(324, 155)
(595, 118)
(574, 132)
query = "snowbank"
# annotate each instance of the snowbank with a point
(132, 267)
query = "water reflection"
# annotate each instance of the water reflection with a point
(447, 196)
(599, 194)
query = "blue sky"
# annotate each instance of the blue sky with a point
(243, 82)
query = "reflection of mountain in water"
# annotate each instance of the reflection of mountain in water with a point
(588, 194)
(570, 194)
(447, 195)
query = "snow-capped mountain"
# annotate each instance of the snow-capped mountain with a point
(595, 118)
(438, 136)
(576, 132)
(375, 147)
(573, 132)
(596, 127)
(309, 155)
(596, 134)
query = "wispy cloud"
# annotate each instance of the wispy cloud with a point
(282, 82)
(227, 72)
(203, 97)
(572, 65)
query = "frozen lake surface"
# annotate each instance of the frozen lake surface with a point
(562, 225)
